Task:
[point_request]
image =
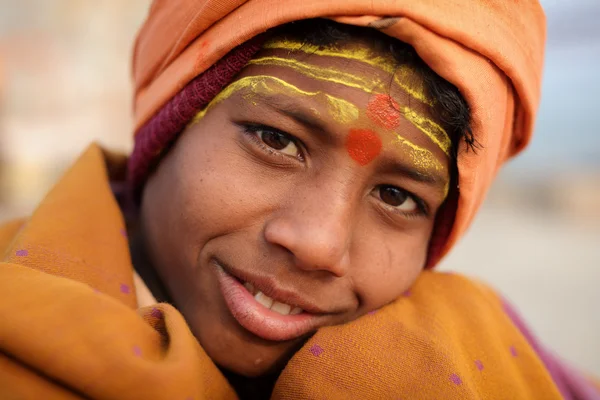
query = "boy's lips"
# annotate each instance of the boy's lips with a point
(260, 320)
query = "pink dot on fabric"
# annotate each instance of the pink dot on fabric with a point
(372, 312)
(479, 365)
(513, 351)
(156, 313)
(137, 351)
(123, 232)
(124, 288)
(408, 293)
(455, 379)
(22, 253)
(316, 350)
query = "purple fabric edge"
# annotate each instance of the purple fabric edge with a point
(571, 383)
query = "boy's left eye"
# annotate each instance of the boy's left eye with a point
(398, 198)
(277, 141)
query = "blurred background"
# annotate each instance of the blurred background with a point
(65, 81)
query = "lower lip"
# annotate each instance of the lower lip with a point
(258, 319)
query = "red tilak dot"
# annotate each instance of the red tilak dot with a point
(384, 111)
(363, 145)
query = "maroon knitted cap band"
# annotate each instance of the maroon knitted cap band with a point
(162, 129)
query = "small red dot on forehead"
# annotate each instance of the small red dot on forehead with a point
(384, 111)
(363, 145)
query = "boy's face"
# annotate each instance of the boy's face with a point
(303, 196)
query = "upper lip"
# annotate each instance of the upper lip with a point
(268, 286)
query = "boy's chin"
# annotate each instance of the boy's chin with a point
(255, 360)
(253, 367)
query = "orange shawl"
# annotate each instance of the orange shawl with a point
(70, 330)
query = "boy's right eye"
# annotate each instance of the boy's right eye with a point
(272, 140)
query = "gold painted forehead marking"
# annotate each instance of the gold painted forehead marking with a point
(421, 157)
(387, 64)
(341, 110)
(435, 132)
(367, 85)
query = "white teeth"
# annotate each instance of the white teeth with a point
(264, 299)
(281, 308)
(296, 311)
(278, 307)
(249, 287)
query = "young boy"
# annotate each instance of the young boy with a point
(286, 195)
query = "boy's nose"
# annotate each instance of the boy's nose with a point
(316, 230)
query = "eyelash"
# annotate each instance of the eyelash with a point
(421, 211)
(251, 130)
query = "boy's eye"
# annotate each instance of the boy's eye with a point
(398, 198)
(278, 141)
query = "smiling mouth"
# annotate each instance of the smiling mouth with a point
(270, 318)
(267, 302)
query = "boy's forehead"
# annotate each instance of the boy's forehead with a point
(355, 63)
(345, 89)
(395, 91)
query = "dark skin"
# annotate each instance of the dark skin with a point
(266, 185)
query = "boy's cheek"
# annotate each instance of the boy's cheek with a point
(390, 274)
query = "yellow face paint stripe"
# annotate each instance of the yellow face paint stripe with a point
(403, 75)
(435, 132)
(322, 74)
(421, 157)
(341, 110)
(358, 54)
(400, 73)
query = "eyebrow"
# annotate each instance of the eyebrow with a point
(295, 111)
(301, 115)
(416, 175)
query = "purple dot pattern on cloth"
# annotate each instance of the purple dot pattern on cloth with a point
(156, 313)
(123, 232)
(513, 351)
(137, 351)
(125, 288)
(22, 253)
(372, 312)
(408, 293)
(455, 379)
(479, 365)
(316, 350)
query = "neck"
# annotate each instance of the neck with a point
(251, 388)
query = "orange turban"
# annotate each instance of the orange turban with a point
(491, 50)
